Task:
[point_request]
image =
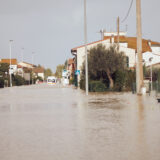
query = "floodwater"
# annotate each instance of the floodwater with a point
(55, 123)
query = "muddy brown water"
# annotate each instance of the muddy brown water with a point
(55, 123)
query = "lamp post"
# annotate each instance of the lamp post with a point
(10, 50)
(32, 65)
(85, 43)
(22, 49)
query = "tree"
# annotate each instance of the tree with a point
(104, 62)
(18, 80)
(47, 73)
(59, 70)
(65, 64)
(4, 68)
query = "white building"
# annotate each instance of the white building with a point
(13, 66)
(126, 44)
(38, 72)
(26, 65)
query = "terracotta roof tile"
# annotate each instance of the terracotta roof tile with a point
(13, 61)
(132, 43)
(38, 70)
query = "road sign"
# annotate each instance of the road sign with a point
(77, 72)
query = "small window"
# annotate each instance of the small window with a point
(127, 62)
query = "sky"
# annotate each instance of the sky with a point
(51, 28)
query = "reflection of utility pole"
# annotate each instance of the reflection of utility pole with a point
(10, 73)
(139, 66)
(85, 42)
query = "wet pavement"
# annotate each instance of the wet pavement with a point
(55, 123)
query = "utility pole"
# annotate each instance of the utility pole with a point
(22, 62)
(118, 31)
(10, 50)
(85, 43)
(139, 66)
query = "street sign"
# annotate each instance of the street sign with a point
(10, 71)
(77, 72)
(64, 73)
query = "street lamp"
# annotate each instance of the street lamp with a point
(32, 65)
(10, 50)
(85, 42)
(22, 51)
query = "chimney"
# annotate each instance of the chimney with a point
(149, 42)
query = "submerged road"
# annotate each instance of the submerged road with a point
(54, 123)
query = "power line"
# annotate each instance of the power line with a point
(128, 12)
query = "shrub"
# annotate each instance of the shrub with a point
(97, 86)
(120, 79)
(1, 83)
(18, 80)
(130, 80)
(82, 84)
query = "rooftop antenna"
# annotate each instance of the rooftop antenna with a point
(102, 33)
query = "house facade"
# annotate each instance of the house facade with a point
(12, 64)
(38, 72)
(126, 44)
(26, 65)
(71, 67)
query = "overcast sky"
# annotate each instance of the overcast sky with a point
(50, 28)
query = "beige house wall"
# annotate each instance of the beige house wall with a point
(123, 47)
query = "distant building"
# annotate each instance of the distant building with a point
(38, 72)
(20, 70)
(126, 44)
(26, 65)
(13, 66)
(71, 67)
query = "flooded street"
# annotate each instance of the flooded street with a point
(54, 123)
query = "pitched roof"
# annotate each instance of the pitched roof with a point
(13, 61)
(27, 63)
(19, 66)
(74, 49)
(132, 43)
(38, 70)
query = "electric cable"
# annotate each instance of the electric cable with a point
(128, 12)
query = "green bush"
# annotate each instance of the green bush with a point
(18, 80)
(82, 84)
(120, 79)
(130, 80)
(97, 86)
(1, 83)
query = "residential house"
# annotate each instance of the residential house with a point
(39, 72)
(26, 65)
(126, 44)
(71, 67)
(20, 70)
(12, 63)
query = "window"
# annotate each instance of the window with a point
(127, 62)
